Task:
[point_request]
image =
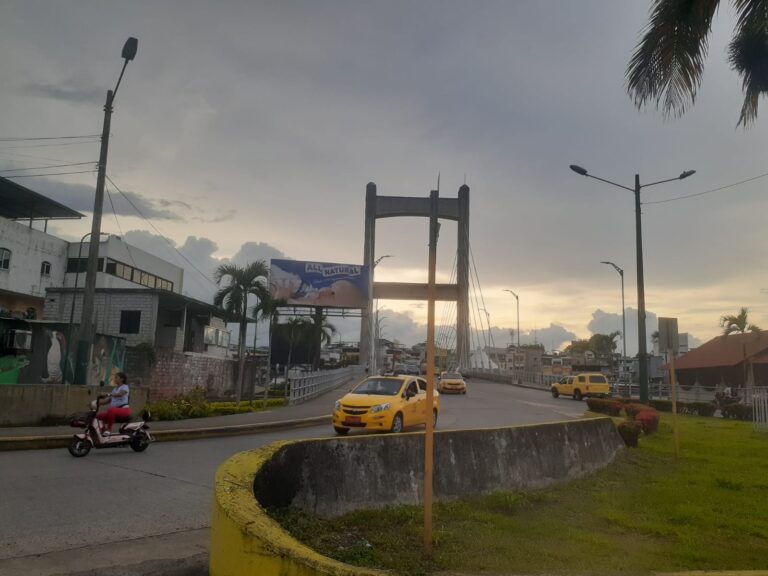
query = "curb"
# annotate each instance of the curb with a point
(9, 443)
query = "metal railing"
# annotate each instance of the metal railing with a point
(312, 384)
(519, 377)
(758, 397)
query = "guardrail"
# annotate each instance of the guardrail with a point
(519, 377)
(313, 384)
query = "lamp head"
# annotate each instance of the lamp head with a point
(579, 170)
(129, 49)
(687, 173)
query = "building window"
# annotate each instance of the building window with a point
(5, 259)
(80, 265)
(130, 321)
(45, 269)
(115, 268)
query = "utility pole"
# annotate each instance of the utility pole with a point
(86, 333)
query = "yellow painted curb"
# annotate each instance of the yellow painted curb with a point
(246, 541)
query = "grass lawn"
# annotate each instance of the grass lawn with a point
(647, 512)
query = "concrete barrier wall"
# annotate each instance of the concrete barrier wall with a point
(29, 404)
(333, 476)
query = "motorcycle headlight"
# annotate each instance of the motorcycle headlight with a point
(337, 406)
(379, 408)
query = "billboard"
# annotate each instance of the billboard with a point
(325, 284)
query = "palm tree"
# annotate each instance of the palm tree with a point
(251, 279)
(668, 63)
(322, 332)
(738, 323)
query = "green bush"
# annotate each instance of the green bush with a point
(696, 408)
(194, 405)
(737, 411)
(629, 430)
(663, 405)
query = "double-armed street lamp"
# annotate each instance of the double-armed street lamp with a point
(641, 334)
(85, 337)
(623, 317)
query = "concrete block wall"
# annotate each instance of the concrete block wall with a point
(107, 312)
(173, 374)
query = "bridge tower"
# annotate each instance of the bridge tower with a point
(456, 209)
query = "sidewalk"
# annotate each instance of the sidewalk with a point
(315, 411)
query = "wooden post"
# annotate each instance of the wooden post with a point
(673, 384)
(428, 436)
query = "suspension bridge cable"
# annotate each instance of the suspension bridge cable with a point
(10, 176)
(49, 166)
(26, 139)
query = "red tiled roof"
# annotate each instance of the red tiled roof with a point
(724, 351)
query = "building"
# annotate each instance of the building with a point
(31, 260)
(138, 301)
(733, 360)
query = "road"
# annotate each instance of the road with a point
(51, 502)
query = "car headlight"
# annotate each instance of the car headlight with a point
(337, 406)
(380, 408)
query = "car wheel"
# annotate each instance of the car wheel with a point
(577, 395)
(397, 424)
(341, 431)
(555, 393)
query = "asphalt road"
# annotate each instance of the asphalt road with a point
(51, 502)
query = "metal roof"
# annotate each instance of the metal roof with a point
(725, 351)
(20, 203)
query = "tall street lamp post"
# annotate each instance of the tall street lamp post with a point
(374, 355)
(642, 355)
(623, 317)
(85, 337)
(518, 314)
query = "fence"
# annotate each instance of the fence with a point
(758, 397)
(312, 384)
(519, 377)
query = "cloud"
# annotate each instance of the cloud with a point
(68, 91)
(81, 197)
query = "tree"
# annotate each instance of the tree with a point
(604, 344)
(321, 332)
(668, 63)
(251, 279)
(738, 323)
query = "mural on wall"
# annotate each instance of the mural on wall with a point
(41, 352)
(107, 359)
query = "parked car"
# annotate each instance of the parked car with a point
(588, 384)
(385, 403)
(452, 382)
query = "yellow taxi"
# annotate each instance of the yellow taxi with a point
(386, 403)
(587, 384)
(452, 383)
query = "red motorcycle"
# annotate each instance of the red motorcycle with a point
(133, 434)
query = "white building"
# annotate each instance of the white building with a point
(138, 295)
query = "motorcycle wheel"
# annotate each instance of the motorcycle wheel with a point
(139, 442)
(78, 447)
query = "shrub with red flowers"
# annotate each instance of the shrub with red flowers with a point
(648, 420)
(631, 410)
(629, 430)
(604, 406)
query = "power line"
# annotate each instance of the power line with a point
(24, 139)
(170, 243)
(708, 191)
(49, 166)
(50, 145)
(10, 176)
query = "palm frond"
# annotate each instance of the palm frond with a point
(668, 62)
(748, 55)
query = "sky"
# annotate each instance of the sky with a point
(247, 130)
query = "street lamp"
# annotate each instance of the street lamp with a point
(518, 314)
(643, 345)
(374, 356)
(623, 318)
(85, 336)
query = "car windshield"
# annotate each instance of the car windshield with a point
(452, 376)
(379, 386)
